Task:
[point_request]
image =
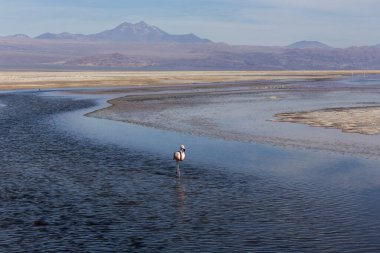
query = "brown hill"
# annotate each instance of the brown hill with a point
(110, 60)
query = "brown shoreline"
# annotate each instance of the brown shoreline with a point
(45, 80)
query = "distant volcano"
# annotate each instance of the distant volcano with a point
(128, 32)
(308, 44)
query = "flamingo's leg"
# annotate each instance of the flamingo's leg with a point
(178, 171)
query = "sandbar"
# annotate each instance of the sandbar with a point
(362, 120)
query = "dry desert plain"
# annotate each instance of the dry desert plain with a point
(12, 80)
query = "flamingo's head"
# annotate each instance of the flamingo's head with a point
(182, 147)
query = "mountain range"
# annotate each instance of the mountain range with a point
(143, 46)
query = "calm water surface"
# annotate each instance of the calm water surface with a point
(76, 184)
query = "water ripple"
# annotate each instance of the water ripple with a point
(62, 193)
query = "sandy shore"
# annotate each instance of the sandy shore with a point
(43, 80)
(362, 120)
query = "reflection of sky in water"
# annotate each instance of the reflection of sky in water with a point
(335, 193)
(245, 117)
(250, 116)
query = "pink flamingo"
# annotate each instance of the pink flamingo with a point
(179, 156)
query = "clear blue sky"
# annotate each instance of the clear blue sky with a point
(338, 23)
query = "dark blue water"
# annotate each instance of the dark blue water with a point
(79, 188)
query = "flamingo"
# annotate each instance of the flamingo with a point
(179, 156)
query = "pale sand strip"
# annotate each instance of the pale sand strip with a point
(362, 120)
(39, 80)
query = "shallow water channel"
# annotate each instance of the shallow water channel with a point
(78, 184)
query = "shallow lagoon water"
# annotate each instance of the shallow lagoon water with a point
(77, 184)
(231, 155)
(246, 113)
